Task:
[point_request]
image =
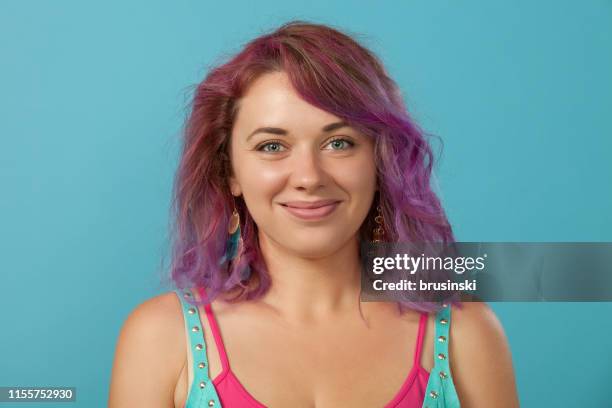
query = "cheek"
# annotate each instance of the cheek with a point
(358, 178)
(260, 181)
(362, 182)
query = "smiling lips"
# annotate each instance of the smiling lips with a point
(311, 210)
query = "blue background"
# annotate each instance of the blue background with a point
(92, 102)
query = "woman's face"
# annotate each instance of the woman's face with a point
(299, 161)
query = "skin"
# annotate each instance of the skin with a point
(308, 342)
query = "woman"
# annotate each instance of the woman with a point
(296, 150)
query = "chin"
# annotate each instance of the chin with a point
(314, 246)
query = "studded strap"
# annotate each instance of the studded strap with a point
(441, 392)
(202, 392)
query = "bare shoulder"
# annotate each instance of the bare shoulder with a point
(480, 358)
(149, 354)
(474, 317)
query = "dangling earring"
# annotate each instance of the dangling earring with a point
(379, 231)
(231, 245)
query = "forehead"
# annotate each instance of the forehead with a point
(272, 101)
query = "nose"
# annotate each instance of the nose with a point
(307, 173)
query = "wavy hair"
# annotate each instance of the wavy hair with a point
(333, 72)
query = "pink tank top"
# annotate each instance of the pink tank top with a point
(231, 392)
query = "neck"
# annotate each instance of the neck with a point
(308, 289)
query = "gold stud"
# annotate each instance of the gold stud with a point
(433, 394)
(443, 321)
(201, 365)
(441, 339)
(202, 384)
(211, 403)
(191, 310)
(441, 356)
(443, 375)
(199, 347)
(195, 329)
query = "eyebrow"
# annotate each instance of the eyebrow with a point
(282, 132)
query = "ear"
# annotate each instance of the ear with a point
(235, 187)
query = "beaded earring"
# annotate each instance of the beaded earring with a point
(379, 231)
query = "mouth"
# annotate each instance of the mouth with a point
(312, 214)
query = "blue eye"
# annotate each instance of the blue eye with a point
(262, 147)
(338, 143)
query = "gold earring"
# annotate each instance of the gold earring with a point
(379, 231)
(234, 222)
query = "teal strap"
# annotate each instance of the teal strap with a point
(441, 392)
(202, 392)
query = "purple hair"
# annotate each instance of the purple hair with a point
(328, 69)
